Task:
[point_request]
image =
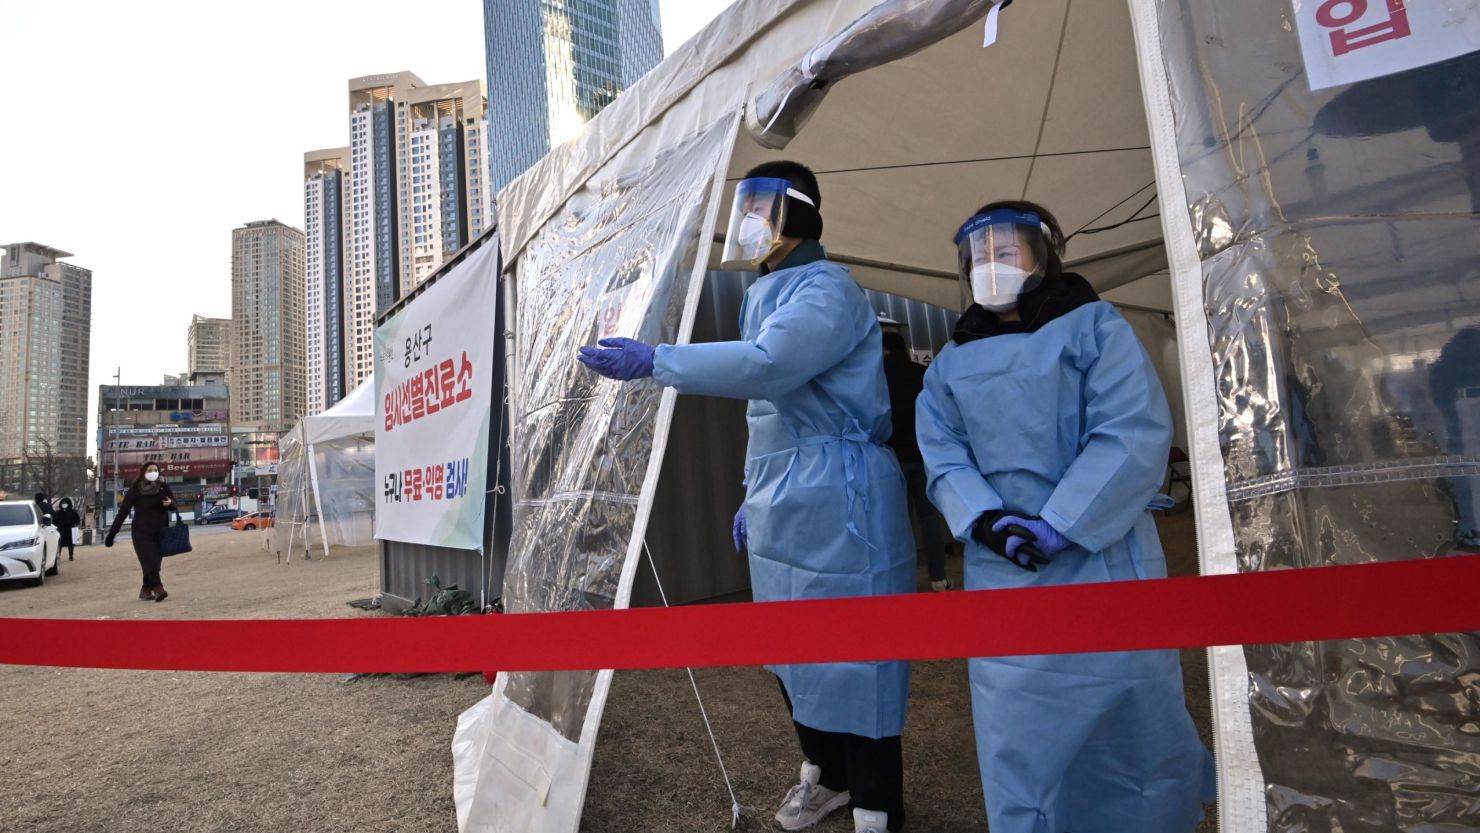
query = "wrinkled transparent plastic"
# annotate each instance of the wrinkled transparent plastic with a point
(616, 265)
(1341, 281)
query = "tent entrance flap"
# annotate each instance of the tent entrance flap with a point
(626, 262)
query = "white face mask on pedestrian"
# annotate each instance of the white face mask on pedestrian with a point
(151, 476)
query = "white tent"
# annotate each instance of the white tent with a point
(327, 473)
(1292, 331)
(904, 150)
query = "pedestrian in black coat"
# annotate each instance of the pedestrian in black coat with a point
(66, 519)
(151, 501)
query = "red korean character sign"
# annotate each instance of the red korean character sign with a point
(1345, 41)
(434, 387)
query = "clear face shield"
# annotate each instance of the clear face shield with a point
(756, 220)
(1003, 254)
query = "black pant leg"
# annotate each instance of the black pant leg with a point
(828, 750)
(876, 775)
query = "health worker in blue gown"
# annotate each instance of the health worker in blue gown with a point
(824, 513)
(1045, 434)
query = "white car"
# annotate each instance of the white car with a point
(29, 545)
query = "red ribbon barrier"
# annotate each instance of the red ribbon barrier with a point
(1386, 599)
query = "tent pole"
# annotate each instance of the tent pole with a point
(313, 477)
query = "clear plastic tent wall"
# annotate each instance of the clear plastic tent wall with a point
(294, 499)
(345, 468)
(623, 258)
(1326, 258)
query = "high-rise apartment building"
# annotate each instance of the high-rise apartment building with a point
(553, 64)
(373, 239)
(326, 177)
(267, 346)
(415, 189)
(443, 195)
(209, 345)
(45, 343)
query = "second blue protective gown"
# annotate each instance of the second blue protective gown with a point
(1068, 423)
(825, 499)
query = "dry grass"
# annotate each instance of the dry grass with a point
(116, 751)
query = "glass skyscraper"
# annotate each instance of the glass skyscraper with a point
(553, 64)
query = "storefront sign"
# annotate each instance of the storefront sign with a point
(174, 455)
(169, 468)
(191, 416)
(167, 429)
(433, 388)
(164, 442)
(1345, 41)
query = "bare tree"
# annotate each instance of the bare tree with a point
(53, 474)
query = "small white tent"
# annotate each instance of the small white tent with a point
(327, 474)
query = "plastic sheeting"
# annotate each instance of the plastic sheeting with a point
(326, 474)
(1329, 240)
(623, 258)
(889, 31)
(343, 514)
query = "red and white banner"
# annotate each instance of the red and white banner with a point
(1345, 41)
(434, 393)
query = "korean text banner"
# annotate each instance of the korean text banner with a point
(433, 394)
(1345, 41)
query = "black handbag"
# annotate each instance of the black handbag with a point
(175, 539)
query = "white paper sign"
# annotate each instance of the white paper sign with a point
(434, 393)
(1345, 41)
(989, 37)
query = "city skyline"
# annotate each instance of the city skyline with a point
(255, 165)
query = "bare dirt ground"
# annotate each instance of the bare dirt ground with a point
(88, 751)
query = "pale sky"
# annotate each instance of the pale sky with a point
(137, 135)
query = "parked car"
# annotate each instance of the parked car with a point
(218, 515)
(256, 520)
(29, 544)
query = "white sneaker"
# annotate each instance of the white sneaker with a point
(809, 802)
(870, 821)
(943, 584)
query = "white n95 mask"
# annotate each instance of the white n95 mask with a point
(997, 286)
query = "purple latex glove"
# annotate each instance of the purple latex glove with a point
(624, 359)
(1045, 538)
(739, 531)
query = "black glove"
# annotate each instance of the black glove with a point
(1028, 555)
(108, 540)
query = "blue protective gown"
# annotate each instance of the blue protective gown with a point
(1069, 423)
(825, 499)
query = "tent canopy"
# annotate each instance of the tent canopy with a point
(1054, 115)
(354, 414)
